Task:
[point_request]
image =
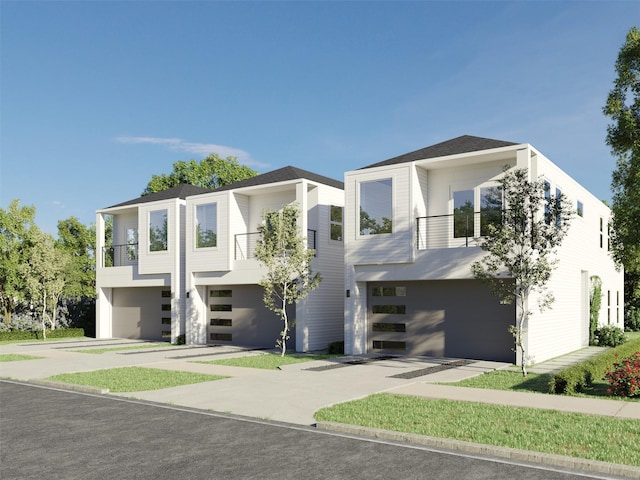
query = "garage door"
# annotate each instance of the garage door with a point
(237, 316)
(444, 318)
(141, 313)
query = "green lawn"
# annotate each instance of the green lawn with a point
(585, 436)
(15, 357)
(99, 350)
(268, 361)
(134, 379)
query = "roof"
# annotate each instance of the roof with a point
(283, 174)
(463, 144)
(182, 191)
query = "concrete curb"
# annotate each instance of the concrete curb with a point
(592, 466)
(68, 386)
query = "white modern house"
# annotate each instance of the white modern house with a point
(409, 238)
(181, 262)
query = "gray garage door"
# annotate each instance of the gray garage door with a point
(237, 316)
(142, 313)
(450, 318)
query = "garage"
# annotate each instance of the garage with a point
(441, 318)
(142, 313)
(237, 316)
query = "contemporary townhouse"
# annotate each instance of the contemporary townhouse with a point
(181, 262)
(410, 230)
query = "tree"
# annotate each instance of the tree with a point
(44, 277)
(211, 172)
(521, 247)
(283, 251)
(79, 241)
(16, 226)
(623, 137)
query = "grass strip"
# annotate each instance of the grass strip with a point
(267, 361)
(134, 379)
(99, 350)
(592, 437)
(15, 357)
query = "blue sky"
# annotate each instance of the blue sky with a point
(98, 96)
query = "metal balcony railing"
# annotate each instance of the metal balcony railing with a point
(245, 244)
(120, 255)
(455, 230)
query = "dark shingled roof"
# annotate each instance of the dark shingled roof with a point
(181, 191)
(282, 175)
(463, 144)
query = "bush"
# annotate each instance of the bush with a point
(632, 318)
(581, 375)
(624, 377)
(609, 336)
(336, 348)
(37, 334)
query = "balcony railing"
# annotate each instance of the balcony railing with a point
(455, 230)
(245, 244)
(120, 255)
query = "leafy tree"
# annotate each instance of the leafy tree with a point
(623, 136)
(283, 251)
(79, 241)
(370, 226)
(44, 276)
(16, 226)
(521, 247)
(211, 172)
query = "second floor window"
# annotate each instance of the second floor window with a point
(336, 223)
(158, 231)
(376, 207)
(206, 225)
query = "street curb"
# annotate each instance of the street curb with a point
(68, 386)
(593, 466)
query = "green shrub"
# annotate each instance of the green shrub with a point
(580, 376)
(609, 336)
(336, 348)
(37, 334)
(180, 339)
(632, 318)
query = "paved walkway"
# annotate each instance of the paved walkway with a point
(295, 392)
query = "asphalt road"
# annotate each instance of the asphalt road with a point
(52, 434)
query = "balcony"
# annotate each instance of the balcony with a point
(120, 255)
(455, 230)
(245, 244)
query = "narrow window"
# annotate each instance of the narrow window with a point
(580, 209)
(376, 207)
(490, 209)
(558, 201)
(463, 214)
(224, 337)
(166, 333)
(206, 225)
(547, 202)
(221, 293)
(166, 307)
(601, 233)
(221, 322)
(166, 294)
(166, 321)
(221, 308)
(335, 221)
(158, 231)
(389, 345)
(389, 291)
(608, 307)
(389, 309)
(389, 327)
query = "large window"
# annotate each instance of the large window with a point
(336, 223)
(206, 225)
(158, 231)
(376, 207)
